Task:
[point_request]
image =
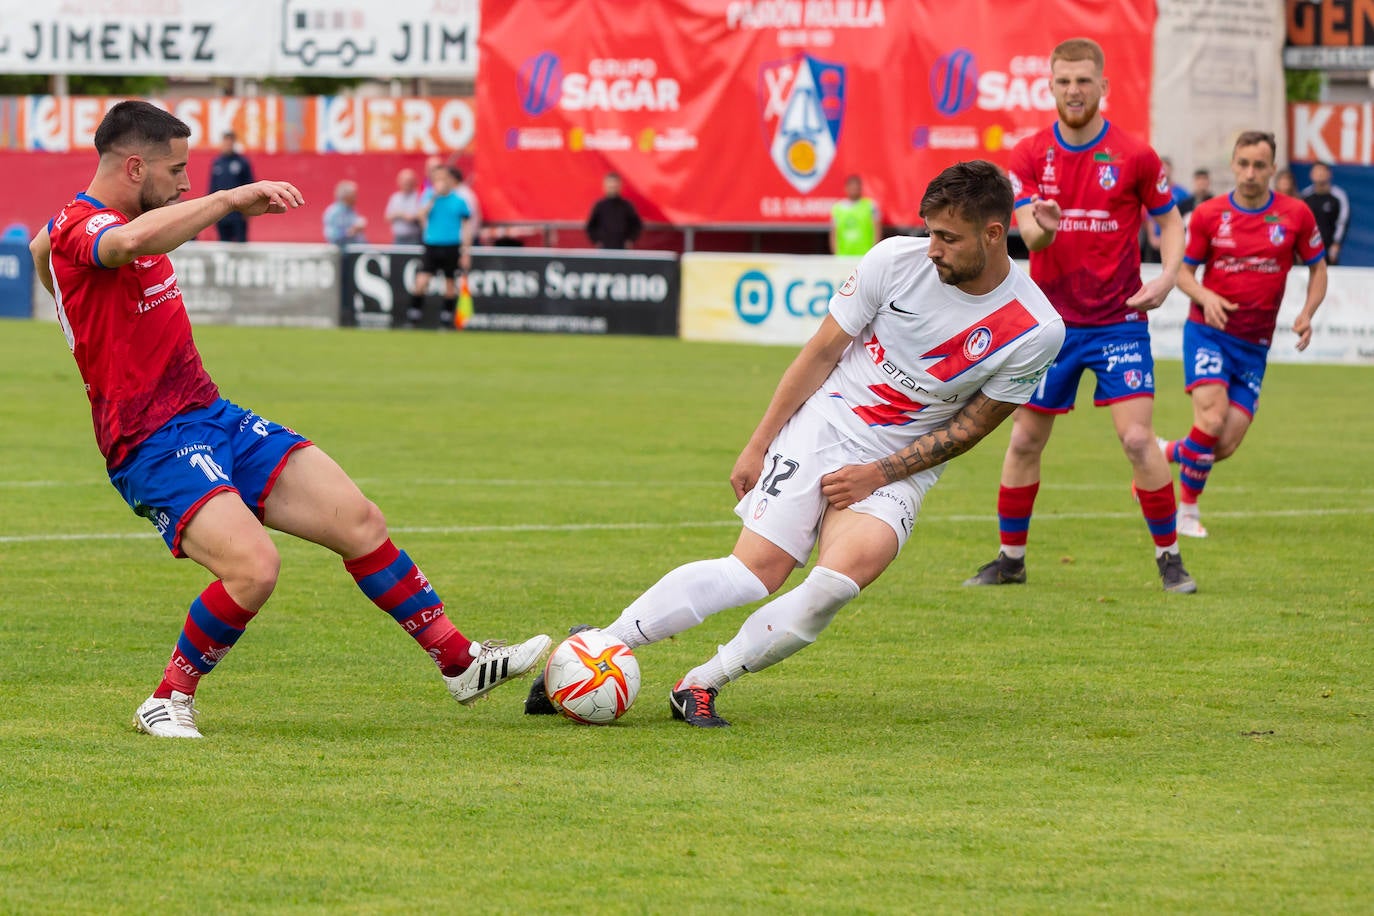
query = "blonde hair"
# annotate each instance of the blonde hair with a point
(1079, 49)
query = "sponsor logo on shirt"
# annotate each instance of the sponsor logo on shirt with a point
(100, 221)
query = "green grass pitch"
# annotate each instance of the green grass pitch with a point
(1083, 743)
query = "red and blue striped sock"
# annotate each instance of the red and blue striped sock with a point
(214, 623)
(1196, 453)
(1160, 510)
(1014, 507)
(395, 584)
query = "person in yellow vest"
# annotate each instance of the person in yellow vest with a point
(855, 222)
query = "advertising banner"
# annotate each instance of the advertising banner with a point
(265, 124)
(1342, 331)
(770, 299)
(249, 285)
(377, 38)
(755, 112)
(542, 290)
(781, 299)
(1329, 35)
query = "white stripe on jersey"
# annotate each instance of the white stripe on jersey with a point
(923, 348)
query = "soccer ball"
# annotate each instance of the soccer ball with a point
(592, 678)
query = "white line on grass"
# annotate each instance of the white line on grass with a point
(722, 484)
(721, 523)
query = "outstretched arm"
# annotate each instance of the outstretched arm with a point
(161, 230)
(856, 482)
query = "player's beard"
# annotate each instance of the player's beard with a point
(149, 201)
(952, 274)
(1074, 121)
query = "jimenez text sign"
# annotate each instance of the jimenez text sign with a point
(755, 112)
(515, 290)
(380, 38)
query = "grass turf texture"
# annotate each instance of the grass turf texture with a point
(1085, 742)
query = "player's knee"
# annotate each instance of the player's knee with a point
(369, 525)
(254, 575)
(1137, 442)
(1024, 444)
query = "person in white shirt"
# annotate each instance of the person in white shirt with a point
(929, 345)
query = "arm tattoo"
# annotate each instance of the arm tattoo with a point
(965, 429)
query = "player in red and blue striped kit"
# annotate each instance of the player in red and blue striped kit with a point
(1080, 186)
(1246, 243)
(212, 476)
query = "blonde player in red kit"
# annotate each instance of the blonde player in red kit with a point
(1246, 243)
(1080, 187)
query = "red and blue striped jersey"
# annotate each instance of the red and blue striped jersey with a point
(128, 330)
(1093, 265)
(1246, 256)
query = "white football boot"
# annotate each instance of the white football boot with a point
(1190, 525)
(173, 717)
(494, 664)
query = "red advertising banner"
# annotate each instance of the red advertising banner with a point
(1331, 132)
(266, 124)
(740, 112)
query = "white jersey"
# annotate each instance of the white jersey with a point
(923, 348)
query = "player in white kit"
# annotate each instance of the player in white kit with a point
(929, 345)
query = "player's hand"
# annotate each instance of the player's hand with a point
(1152, 295)
(265, 197)
(746, 471)
(1302, 326)
(1046, 212)
(851, 484)
(1217, 310)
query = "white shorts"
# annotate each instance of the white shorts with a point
(786, 505)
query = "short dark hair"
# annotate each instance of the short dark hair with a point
(1251, 137)
(140, 124)
(975, 190)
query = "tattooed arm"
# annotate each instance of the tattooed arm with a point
(854, 482)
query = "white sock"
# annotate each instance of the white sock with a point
(684, 598)
(1017, 552)
(782, 627)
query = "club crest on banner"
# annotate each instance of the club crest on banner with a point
(802, 101)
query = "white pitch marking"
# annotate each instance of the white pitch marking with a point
(722, 523)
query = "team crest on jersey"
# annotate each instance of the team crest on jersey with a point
(100, 221)
(1133, 378)
(1108, 176)
(1277, 234)
(977, 343)
(851, 284)
(803, 106)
